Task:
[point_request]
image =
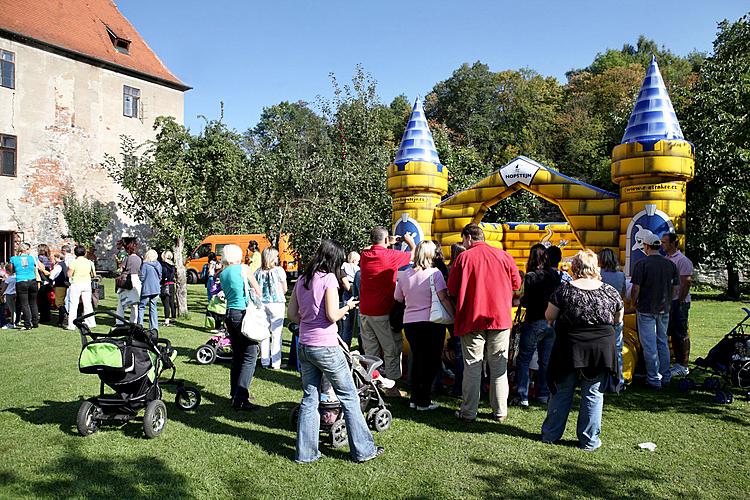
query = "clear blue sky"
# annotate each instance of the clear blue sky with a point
(254, 54)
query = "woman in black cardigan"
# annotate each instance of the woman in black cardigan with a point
(584, 312)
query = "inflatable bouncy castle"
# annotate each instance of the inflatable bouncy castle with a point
(651, 166)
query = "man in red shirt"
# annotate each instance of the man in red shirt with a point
(481, 281)
(378, 270)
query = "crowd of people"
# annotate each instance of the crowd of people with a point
(572, 328)
(570, 334)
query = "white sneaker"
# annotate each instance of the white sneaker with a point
(430, 407)
(679, 371)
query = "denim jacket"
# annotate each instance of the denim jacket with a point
(150, 279)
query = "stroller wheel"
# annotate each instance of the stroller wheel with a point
(370, 418)
(155, 418)
(338, 434)
(206, 354)
(188, 398)
(684, 385)
(724, 397)
(87, 421)
(294, 417)
(382, 419)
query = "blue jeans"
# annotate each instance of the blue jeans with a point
(589, 423)
(153, 313)
(315, 362)
(244, 358)
(618, 343)
(535, 336)
(652, 332)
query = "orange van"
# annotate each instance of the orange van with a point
(216, 242)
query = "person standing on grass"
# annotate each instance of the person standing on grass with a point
(379, 266)
(239, 287)
(536, 335)
(8, 294)
(481, 281)
(584, 313)
(80, 273)
(426, 339)
(150, 276)
(272, 282)
(253, 259)
(61, 283)
(350, 268)
(45, 284)
(314, 305)
(654, 280)
(678, 313)
(615, 278)
(25, 267)
(168, 289)
(129, 298)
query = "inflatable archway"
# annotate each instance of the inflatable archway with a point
(652, 166)
(592, 213)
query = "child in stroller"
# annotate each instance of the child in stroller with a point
(130, 360)
(729, 360)
(367, 379)
(219, 346)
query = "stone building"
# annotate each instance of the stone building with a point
(74, 76)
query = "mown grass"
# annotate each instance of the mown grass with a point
(703, 449)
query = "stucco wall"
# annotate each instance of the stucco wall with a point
(66, 115)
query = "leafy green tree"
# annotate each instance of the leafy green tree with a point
(286, 149)
(323, 175)
(85, 218)
(718, 125)
(162, 187)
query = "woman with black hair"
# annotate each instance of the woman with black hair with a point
(314, 305)
(536, 336)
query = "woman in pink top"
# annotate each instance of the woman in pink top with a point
(314, 305)
(425, 338)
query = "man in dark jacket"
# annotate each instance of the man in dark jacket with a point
(654, 280)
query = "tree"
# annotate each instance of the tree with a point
(719, 196)
(323, 175)
(163, 187)
(85, 218)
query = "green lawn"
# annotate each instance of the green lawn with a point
(703, 449)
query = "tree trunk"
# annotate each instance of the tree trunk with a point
(733, 281)
(179, 263)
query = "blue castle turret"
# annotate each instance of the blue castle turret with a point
(653, 116)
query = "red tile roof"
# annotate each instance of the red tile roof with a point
(80, 27)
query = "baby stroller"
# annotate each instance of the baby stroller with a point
(219, 347)
(729, 360)
(129, 359)
(366, 381)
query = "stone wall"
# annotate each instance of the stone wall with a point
(66, 115)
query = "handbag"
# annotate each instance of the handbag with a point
(438, 313)
(255, 326)
(124, 282)
(515, 335)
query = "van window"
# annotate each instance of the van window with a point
(202, 251)
(220, 247)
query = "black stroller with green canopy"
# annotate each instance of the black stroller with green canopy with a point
(130, 360)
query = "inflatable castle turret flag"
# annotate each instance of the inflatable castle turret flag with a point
(652, 165)
(416, 179)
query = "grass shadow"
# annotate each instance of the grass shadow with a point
(215, 415)
(76, 474)
(60, 413)
(560, 477)
(670, 400)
